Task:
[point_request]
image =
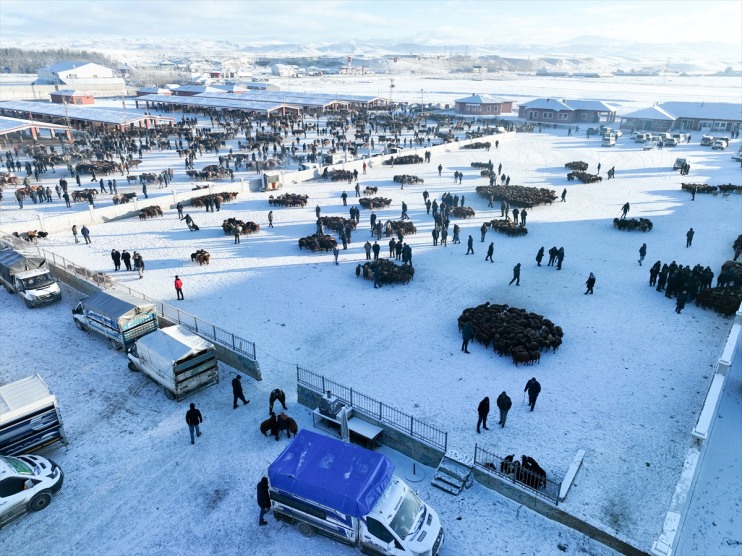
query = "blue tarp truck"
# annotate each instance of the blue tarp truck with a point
(350, 494)
(120, 317)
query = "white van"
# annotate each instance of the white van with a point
(609, 140)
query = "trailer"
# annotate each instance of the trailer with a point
(29, 417)
(120, 317)
(176, 359)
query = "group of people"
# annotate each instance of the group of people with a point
(119, 257)
(504, 403)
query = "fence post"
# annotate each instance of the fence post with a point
(380, 406)
(351, 397)
(235, 347)
(195, 323)
(476, 449)
(177, 311)
(323, 384)
(445, 442)
(213, 329)
(412, 425)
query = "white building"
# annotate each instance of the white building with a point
(63, 72)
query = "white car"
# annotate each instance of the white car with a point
(27, 483)
(719, 145)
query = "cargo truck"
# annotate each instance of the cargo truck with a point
(176, 359)
(29, 277)
(350, 494)
(29, 417)
(120, 317)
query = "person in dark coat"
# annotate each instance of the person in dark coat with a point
(590, 283)
(539, 256)
(237, 393)
(680, 303)
(564, 195)
(194, 419)
(503, 404)
(516, 275)
(490, 252)
(358, 271)
(470, 246)
(377, 276)
(126, 257)
(85, 234)
(116, 256)
(523, 215)
(435, 233)
(689, 238)
(264, 500)
(653, 272)
(483, 230)
(552, 255)
(625, 209)
(467, 333)
(534, 389)
(277, 395)
(376, 248)
(642, 253)
(179, 206)
(560, 257)
(483, 410)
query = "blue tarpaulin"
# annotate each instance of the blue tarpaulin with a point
(345, 477)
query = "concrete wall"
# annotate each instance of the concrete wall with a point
(392, 438)
(554, 513)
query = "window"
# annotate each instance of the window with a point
(583, 116)
(533, 115)
(548, 115)
(379, 531)
(562, 116)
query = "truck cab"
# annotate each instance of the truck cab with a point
(37, 287)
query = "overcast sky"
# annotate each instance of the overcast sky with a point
(441, 22)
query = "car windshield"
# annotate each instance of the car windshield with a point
(405, 520)
(16, 465)
(36, 282)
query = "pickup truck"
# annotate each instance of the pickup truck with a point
(350, 494)
(29, 277)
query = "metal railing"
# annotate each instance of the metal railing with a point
(514, 472)
(172, 314)
(375, 409)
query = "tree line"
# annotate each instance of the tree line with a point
(16, 60)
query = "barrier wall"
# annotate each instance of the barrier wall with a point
(672, 528)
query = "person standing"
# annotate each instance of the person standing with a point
(560, 257)
(503, 404)
(642, 253)
(483, 410)
(194, 420)
(534, 389)
(179, 206)
(270, 219)
(470, 246)
(523, 215)
(237, 393)
(139, 264)
(540, 256)
(126, 257)
(144, 190)
(344, 196)
(689, 237)
(86, 234)
(516, 275)
(336, 252)
(490, 252)
(74, 233)
(264, 500)
(590, 283)
(625, 209)
(467, 333)
(483, 231)
(564, 195)
(236, 230)
(179, 287)
(367, 248)
(680, 303)
(116, 256)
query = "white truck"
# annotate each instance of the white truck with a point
(120, 317)
(176, 359)
(351, 495)
(29, 417)
(29, 277)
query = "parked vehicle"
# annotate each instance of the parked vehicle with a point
(642, 137)
(29, 277)
(308, 166)
(719, 145)
(176, 359)
(680, 137)
(29, 417)
(679, 163)
(120, 317)
(608, 141)
(350, 494)
(27, 484)
(706, 141)
(670, 142)
(738, 156)
(725, 140)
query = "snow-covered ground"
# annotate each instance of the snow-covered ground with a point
(626, 385)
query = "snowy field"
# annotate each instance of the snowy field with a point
(626, 385)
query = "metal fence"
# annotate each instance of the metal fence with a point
(168, 312)
(375, 409)
(512, 471)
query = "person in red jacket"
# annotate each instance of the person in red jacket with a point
(179, 287)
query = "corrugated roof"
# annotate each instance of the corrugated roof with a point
(9, 125)
(547, 104)
(85, 112)
(651, 113)
(704, 110)
(71, 93)
(594, 105)
(481, 99)
(64, 66)
(231, 102)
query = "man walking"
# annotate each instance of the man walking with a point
(534, 389)
(503, 404)
(539, 256)
(625, 209)
(516, 275)
(490, 252)
(86, 234)
(194, 419)
(178, 287)
(483, 410)
(270, 219)
(74, 233)
(467, 333)
(590, 283)
(564, 195)
(642, 253)
(237, 393)
(688, 237)
(470, 246)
